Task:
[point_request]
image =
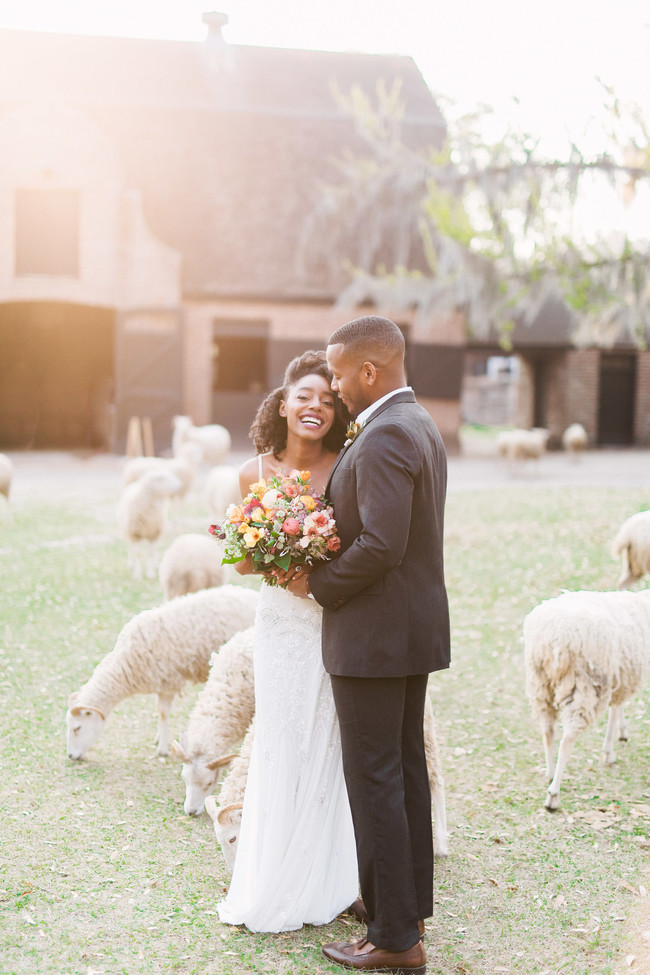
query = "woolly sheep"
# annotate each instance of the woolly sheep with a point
(6, 475)
(213, 439)
(184, 467)
(575, 439)
(584, 652)
(521, 445)
(221, 489)
(225, 811)
(221, 716)
(632, 545)
(142, 515)
(156, 652)
(226, 816)
(191, 563)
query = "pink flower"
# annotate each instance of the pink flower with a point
(317, 523)
(291, 489)
(333, 543)
(291, 526)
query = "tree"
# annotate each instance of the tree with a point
(488, 227)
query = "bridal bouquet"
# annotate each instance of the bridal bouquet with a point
(279, 523)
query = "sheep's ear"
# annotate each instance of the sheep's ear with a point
(220, 762)
(73, 697)
(177, 752)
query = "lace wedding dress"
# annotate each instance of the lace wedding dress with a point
(296, 860)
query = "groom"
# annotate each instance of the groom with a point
(385, 628)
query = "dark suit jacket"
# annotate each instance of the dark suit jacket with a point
(385, 610)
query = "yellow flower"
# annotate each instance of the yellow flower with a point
(252, 536)
(258, 488)
(308, 501)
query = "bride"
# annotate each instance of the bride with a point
(296, 859)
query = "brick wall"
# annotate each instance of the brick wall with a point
(581, 396)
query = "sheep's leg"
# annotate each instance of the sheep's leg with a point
(163, 734)
(627, 576)
(548, 721)
(436, 781)
(615, 727)
(566, 744)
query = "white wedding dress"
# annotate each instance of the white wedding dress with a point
(296, 860)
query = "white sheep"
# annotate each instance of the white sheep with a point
(184, 467)
(225, 810)
(575, 440)
(213, 439)
(584, 652)
(156, 652)
(221, 489)
(632, 545)
(518, 445)
(221, 716)
(142, 516)
(6, 475)
(191, 563)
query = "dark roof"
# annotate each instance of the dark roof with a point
(227, 144)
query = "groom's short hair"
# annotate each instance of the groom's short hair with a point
(370, 338)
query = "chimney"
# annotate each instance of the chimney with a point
(215, 21)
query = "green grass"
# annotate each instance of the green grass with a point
(103, 873)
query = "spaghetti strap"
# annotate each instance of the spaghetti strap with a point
(260, 467)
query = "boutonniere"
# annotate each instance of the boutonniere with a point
(353, 432)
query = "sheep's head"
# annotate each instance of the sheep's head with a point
(200, 775)
(84, 724)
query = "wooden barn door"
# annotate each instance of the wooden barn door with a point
(148, 371)
(616, 399)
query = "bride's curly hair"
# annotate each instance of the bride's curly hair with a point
(269, 430)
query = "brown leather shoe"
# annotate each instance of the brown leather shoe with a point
(362, 956)
(358, 909)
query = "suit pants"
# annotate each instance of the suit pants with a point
(388, 784)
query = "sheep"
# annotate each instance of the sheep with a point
(142, 515)
(226, 816)
(575, 440)
(632, 545)
(521, 445)
(191, 563)
(213, 439)
(584, 652)
(6, 475)
(156, 652)
(221, 489)
(223, 711)
(225, 811)
(184, 467)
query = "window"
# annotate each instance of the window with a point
(47, 232)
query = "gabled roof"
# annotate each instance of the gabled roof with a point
(227, 144)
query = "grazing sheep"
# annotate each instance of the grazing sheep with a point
(521, 445)
(225, 811)
(575, 440)
(184, 467)
(632, 545)
(156, 652)
(226, 817)
(142, 515)
(6, 474)
(223, 711)
(584, 652)
(221, 489)
(191, 563)
(213, 439)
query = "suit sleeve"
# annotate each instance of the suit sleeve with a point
(386, 465)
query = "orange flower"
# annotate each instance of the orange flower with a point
(236, 515)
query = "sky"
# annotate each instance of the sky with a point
(536, 64)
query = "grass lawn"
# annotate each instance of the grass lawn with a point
(103, 873)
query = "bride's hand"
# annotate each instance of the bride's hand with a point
(296, 580)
